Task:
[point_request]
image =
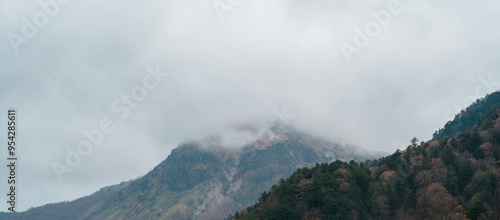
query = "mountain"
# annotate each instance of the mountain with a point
(448, 179)
(4, 215)
(468, 117)
(204, 179)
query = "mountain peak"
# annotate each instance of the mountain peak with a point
(212, 177)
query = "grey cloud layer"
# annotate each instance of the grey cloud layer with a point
(264, 55)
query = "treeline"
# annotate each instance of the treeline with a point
(468, 117)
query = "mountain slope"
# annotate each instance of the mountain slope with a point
(468, 117)
(203, 180)
(449, 179)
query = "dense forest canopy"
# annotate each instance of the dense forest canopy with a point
(468, 117)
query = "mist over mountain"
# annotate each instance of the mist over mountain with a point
(208, 178)
(213, 175)
(75, 60)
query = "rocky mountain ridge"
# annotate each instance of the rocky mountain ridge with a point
(204, 179)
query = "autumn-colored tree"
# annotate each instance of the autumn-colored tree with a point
(381, 208)
(434, 202)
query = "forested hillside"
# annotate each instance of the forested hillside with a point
(468, 117)
(448, 179)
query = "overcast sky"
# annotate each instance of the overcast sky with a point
(234, 64)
